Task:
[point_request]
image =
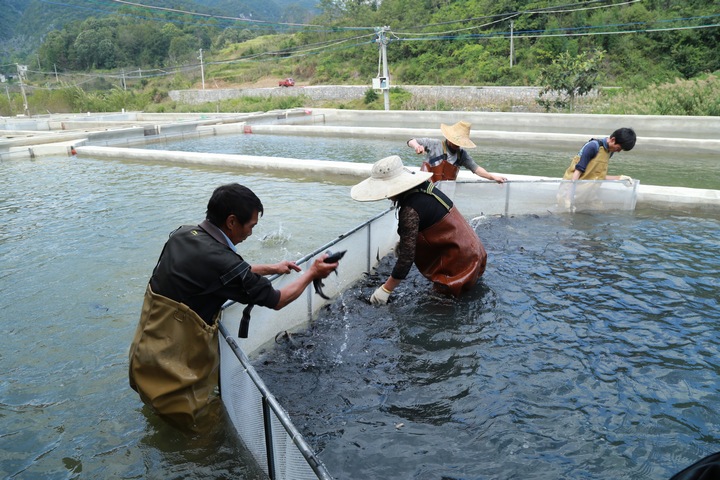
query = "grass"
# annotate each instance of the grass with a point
(697, 97)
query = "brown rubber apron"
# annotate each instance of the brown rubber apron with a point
(443, 170)
(450, 254)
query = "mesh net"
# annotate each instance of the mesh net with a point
(541, 196)
(243, 402)
(258, 419)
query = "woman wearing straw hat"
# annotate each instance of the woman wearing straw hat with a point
(445, 157)
(433, 234)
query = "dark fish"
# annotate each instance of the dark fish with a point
(318, 283)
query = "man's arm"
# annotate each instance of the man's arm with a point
(417, 146)
(290, 292)
(467, 161)
(587, 153)
(281, 268)
(481, 172)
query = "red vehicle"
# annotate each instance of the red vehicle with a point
(288, 82)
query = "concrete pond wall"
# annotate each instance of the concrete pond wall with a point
(85, 134)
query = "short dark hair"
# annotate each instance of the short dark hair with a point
(625, 137)
(232, 199)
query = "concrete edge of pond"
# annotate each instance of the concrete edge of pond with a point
(65, 135)
(668, 198)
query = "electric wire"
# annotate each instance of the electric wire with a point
(223, 17)
(222, 22)
(336, 44)
(570, 31)
(521, 12)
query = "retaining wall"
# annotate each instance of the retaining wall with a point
(489, 95)
(669, 198)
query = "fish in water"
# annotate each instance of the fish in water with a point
(318, 283)
(275, 238)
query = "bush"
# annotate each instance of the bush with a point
(683, 97)
(370, 96)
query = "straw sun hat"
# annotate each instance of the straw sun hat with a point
(459, 134)
(388, 178)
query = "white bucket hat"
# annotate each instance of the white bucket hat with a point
(459, 134)
(388, 178)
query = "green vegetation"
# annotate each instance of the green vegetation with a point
(235, 105)
(75, 99)
(648, 57)
(567, 78)
(25, 24)
(700, 96)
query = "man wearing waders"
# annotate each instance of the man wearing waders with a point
(593, 159)
(174, 356)
(592, 163)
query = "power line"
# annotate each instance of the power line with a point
(117, 12)
(504, 19)
(536, 10)
(344, 43)
(236, 19)
(336, 46)
(569, 30)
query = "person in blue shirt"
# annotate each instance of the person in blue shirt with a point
(593, 159)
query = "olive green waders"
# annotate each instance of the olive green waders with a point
(174, 359)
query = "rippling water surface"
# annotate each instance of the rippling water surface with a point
(589, 350)
(78, 243)
(677, 170)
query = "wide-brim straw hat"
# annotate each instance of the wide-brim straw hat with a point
(388, 178)
(459, 134)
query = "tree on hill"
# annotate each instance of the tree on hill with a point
(567, 78)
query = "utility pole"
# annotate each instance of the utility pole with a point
(7, 92)
(123, 80)
(56, 76)
(382, 40)
(512, 49)
(202, 69)
(21, 70)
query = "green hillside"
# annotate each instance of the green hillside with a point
(24, 24)
(636, 45)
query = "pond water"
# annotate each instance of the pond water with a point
(588, 350)
(80, 238)
(676, 170)
(79, 241)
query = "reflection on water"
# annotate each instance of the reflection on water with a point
(553, 358)
(588, 350)
(678, 170)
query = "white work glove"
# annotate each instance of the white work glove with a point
(626, 179)
(380, 296)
